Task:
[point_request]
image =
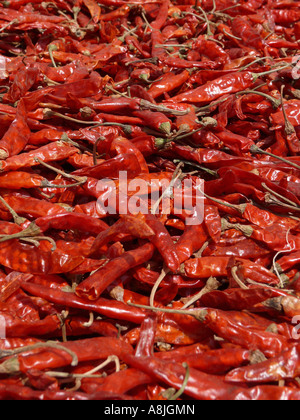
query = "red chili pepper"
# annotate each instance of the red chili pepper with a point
(112, 167)
(94, 9)
(17, 136)
(155, 120)
(23, 81)
(86, 350)
(51, 152)
(243, 29)
(199, 385)
(94, 286)
(190, 242)
(285, 16)
(284, 366)
(206, 267)
(111, 309)
(230, 83)
(168, 83)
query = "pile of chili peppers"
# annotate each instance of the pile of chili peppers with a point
(145, 306)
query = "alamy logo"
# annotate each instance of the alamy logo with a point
(296, 329)
(2, 327)
(159, 196)
(296, 69)
(3, 72)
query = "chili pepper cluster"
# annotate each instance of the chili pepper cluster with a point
(140, 306)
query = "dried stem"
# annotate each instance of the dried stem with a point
(212, 284)
(163, 274)
(237, 279)
(256, 150)
(48, 344)
(17, 219)
(185, 382)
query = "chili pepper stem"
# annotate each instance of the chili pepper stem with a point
(237, 279)
(31, 231)
(185, 382)
(254, 62)
(281, 197)
(246, 230)
(47, 185)
(17, 219)
(144, 104)
(3, 154)
(36, 239)
(196, 165)
(271, 199)
(240, 207)
(257, 150)
(208, 22)
(168, 192)
(58, 171)
(276, 102)
(11, 23)
(266, 73)
(52, 48)
(199, 314)
(163, 274)
(10, 366)
(48, 344)
(211, 284)
(275, 265)
(95, 149)
(289, 128)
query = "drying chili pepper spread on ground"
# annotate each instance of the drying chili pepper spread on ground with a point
(140, 101)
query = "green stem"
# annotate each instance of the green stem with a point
(52, 48)
(17, 219)
(58, 171)
(185, 382)
(289, 128)
(266, 73)
(281, 197)
(256, 150)
(275, 102)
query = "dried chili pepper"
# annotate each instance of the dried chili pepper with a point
(95, 285)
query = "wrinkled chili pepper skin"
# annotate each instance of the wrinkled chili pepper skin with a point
(69, 221)
(102, 306)
(86, 350)
(94, 286)
(228, 323)
(284, 366)
(17, 136)
(207, 266)
(200, 386)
